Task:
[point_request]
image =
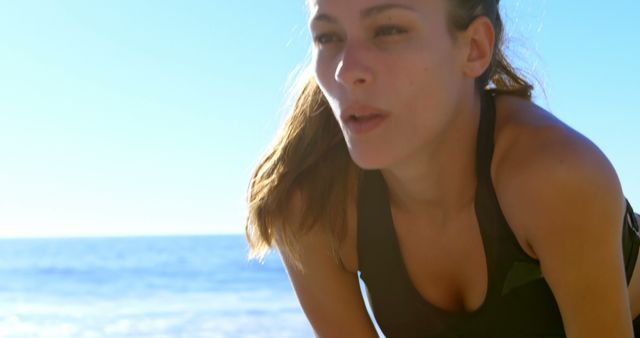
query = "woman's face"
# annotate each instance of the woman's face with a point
(393, 64)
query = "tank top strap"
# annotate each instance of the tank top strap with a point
(378, 254)
(508, 265)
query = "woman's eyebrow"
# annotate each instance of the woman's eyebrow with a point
(365, 13)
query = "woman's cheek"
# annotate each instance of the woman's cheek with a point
(324, 75)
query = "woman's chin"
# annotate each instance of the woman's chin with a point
(368, 160)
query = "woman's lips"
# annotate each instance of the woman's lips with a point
(360, 119)
(364, 124)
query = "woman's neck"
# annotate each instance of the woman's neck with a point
(439, 178)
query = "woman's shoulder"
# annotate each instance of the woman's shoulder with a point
(544, 169)
(317, 238)
(531, 141)
(526, 132)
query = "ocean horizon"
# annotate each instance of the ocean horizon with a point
(144, 286)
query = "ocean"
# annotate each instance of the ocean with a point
(200, 286)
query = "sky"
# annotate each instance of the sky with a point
(122, 118)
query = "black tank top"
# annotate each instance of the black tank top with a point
(519, 302)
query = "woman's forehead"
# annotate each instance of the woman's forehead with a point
(361, 5)
(343, 11)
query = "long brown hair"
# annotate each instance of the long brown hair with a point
(310, 157)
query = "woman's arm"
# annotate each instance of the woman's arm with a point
(329, 295)
(569, 202)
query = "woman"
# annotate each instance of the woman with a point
(414, 156)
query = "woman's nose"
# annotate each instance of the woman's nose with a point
(353, 69)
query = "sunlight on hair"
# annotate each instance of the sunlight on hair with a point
(524, 22)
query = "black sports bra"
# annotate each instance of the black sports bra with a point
(519, 302)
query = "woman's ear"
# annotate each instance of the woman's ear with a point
(479, 41)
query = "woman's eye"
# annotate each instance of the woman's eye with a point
(325, 38)
(389, 30)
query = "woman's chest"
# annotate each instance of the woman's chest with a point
(446, 263)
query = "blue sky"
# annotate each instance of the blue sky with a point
(130, 117)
